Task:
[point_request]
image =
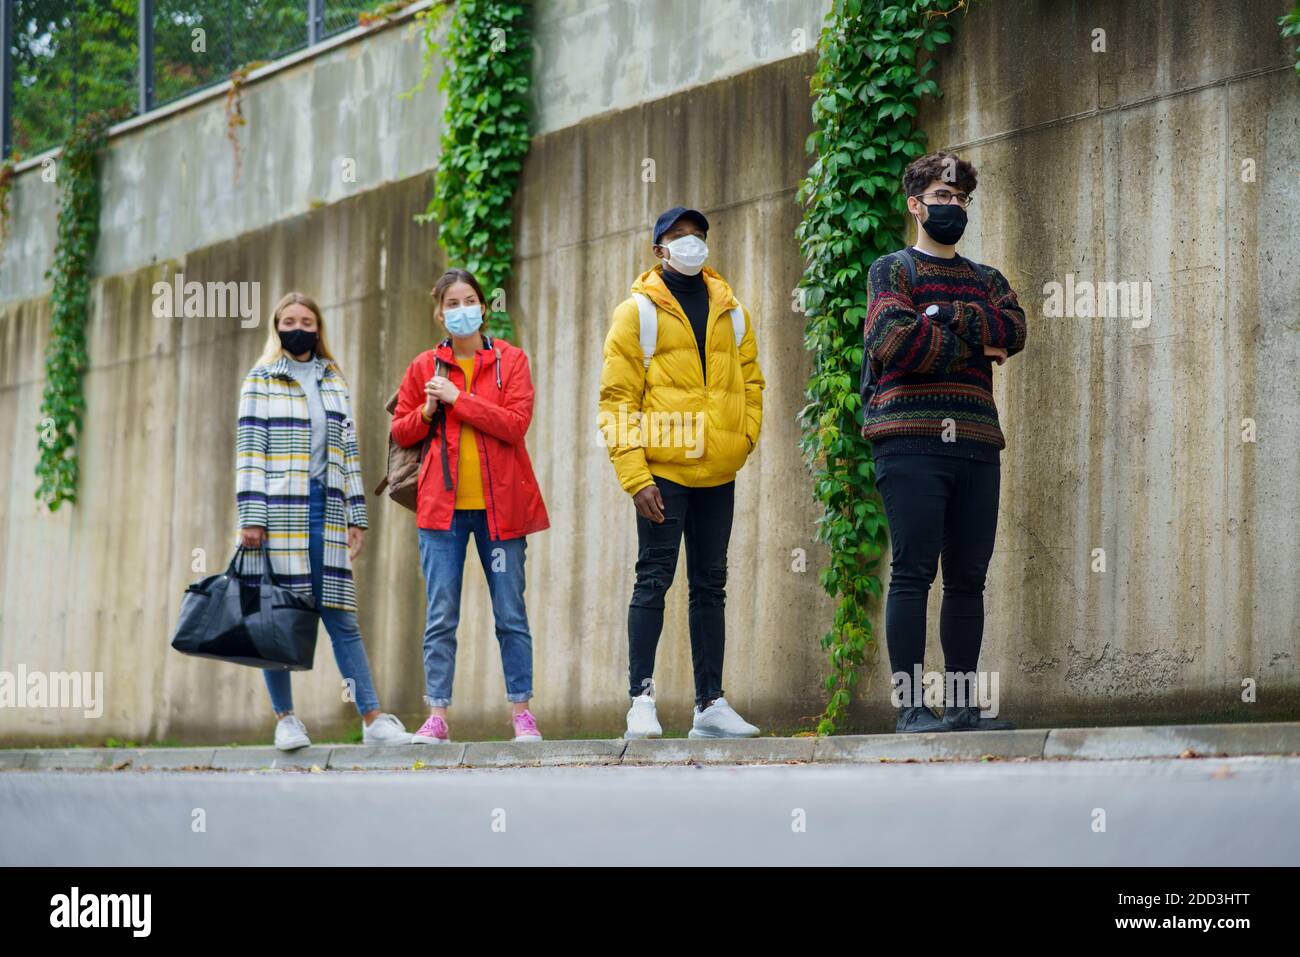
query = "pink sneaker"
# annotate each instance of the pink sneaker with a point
(433, 731)
(526, 726)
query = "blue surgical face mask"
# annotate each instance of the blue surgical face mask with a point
(463, 320)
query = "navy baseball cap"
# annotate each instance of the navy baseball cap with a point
(665, 222)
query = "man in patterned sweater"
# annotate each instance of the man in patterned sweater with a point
(936, 325)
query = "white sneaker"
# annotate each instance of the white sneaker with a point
(291, 734)
(385, 729)
(719, 720)
(642, 721)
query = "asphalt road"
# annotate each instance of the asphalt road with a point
(1239, 811)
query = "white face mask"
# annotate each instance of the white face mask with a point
(686, 254)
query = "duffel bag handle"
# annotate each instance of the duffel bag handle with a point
(236, 567)
(268, 573)
(261, 623)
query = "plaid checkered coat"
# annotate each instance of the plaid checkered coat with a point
(273, 472)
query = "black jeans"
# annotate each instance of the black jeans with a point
(938, 506)
(703, 515)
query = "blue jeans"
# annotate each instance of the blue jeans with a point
(349, 652)
(442, 558)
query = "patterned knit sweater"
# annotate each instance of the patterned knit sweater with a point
(934, 385)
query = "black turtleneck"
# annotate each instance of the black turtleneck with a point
(693, 296)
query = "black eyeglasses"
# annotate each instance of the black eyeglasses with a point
(946, 196)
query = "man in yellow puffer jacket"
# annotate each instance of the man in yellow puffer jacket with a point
(681, 402)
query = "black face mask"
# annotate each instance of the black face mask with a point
(298, 341)
(945, 223)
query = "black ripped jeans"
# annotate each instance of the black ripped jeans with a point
(703, 516)
(939, 508)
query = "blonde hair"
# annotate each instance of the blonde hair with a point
(273, 350)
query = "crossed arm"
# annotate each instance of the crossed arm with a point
(962, 333)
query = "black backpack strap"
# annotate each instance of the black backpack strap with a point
(489, 343)
(910, 262)
(981, 271)
(439, 422)
(440, 367)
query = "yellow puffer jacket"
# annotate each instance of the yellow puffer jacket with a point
(666, 421)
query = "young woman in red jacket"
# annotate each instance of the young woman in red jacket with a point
(472, 396)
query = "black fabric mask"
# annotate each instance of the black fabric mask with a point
(298, 341)
(945, 223)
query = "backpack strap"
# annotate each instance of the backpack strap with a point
(491, 344)
(983, 273)
(440, 367)
(910, 262)
(439, 422)
(649, 316)
(738, 323)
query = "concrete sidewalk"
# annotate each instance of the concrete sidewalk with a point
(1172, 741)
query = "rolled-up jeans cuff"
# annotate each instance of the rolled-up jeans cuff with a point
(437, 702)
(520, 696)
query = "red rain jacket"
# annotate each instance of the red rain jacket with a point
(500, 419)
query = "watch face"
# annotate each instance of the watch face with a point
(932, 310)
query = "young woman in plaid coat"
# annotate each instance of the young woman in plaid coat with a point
(298, 487)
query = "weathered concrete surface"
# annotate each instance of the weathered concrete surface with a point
(597, 56)
(934, 746)
(1230, 740)
(1118, 438)
(362, 757)
(718, 751)
(12, 760)
(170, 183)
(1278, 739)
(70, 759)
(164, 759)
(272, 759)
(489, 754)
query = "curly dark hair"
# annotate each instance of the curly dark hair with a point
(941, 165)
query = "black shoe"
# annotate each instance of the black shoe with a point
(968, 719)
(917, 719)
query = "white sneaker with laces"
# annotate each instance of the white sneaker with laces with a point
(291, 734)
(385, 729)
(642, 721)
(719, 720)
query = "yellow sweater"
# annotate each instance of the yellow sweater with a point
(469, 478)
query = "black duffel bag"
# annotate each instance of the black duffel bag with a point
(259, 623)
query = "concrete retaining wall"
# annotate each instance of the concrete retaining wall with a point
(1122, 165)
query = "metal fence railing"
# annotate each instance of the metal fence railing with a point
(63, 59)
